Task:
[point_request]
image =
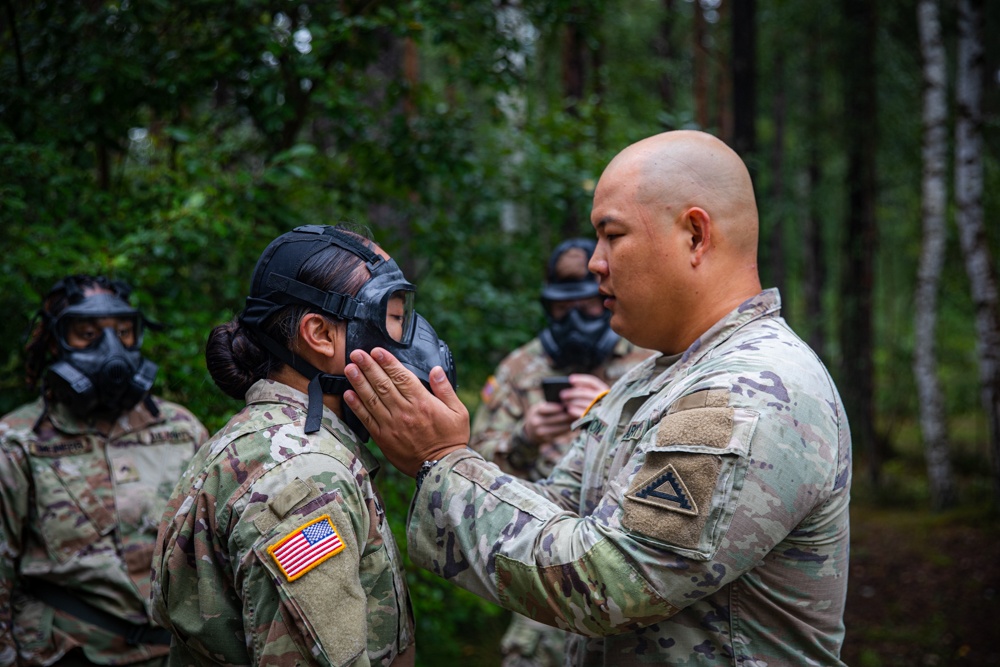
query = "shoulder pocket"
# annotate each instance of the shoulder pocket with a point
(683, 496)
(314, 561)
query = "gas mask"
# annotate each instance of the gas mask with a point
(576, 340)
(381, 315)
(106, 377)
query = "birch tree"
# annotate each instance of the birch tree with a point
(934, 200)
(971, 229)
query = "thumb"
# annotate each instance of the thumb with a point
(443, 389)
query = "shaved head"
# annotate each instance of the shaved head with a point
(685, 168)
(676, 224)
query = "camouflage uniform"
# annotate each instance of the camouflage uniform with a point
(498, 429)
(80, 510)
(700, 518)
(498, 434)
(218, 580)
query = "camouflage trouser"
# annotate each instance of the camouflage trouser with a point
(528, 643)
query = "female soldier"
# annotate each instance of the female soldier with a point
(275, 547)
(85, 471)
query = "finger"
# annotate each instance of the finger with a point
(361, 411)
(382, 383)
(584, 381)
(404, 381)
(547, 409)
(372, 385)
(444, 391)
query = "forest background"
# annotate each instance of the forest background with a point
(166, 143)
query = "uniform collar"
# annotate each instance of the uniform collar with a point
(764, 304)
(271, 391)
(136, 419)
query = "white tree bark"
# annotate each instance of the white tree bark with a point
(969, 204)
(934, 195)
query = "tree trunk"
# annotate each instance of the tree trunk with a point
(934, 194)
(812, 233)
(664, 49)
(969, 205)
(700, 67)
(776, 237)
(723, 69)
(573, 80)
(744, 59)
(573, 59)
(857, 279)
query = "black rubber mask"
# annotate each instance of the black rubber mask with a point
(381, 315)
(579, 342)
(104, 377)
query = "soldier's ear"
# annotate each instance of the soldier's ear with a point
(697, 223)
(319, 335)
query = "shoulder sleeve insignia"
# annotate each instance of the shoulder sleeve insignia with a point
(306, 547)
(489, 389)
(594, 402)
(667, 490)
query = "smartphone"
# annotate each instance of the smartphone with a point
(552, 386)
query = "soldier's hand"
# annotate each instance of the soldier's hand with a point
(407, 422)
(585, 389)
(545, 421)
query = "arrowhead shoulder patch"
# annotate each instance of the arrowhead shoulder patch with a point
(667, 490)
(670, 499)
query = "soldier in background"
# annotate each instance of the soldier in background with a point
(275, 548)
(525, 434)
(515, 426)
(85, 472)
(701, 516)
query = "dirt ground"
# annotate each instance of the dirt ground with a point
(924, 590)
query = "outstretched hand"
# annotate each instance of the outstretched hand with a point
(408, 423)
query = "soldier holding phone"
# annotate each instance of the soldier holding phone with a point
(538, 391)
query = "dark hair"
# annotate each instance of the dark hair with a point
(40, 342)
(236, 362)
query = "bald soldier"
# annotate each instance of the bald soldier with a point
(701, 515)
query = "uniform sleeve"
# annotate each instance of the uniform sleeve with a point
(498, 426)
(299, 543)
(686, 515)
(15, 488)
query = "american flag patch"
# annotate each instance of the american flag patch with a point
(489, 389)
(306, 547)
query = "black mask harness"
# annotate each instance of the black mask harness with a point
(381, 315)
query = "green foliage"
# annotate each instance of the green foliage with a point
(168, 143)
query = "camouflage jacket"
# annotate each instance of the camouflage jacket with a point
(700, 518)
(275, 548)
(80, 510)
(498, 428)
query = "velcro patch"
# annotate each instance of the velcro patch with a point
(125, 471)
(306, 547)
(707, 427)
(670, 498)
(57, 449)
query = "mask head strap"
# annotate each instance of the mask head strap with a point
(275, 280)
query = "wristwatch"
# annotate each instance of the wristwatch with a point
(425, 468)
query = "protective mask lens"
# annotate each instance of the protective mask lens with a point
(82, 333)
(589, 309)
(399, 316)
